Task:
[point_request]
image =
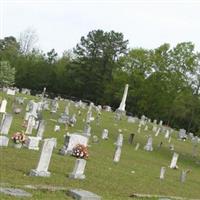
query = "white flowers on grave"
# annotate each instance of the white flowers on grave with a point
(80, 151)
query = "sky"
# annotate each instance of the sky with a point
(59, 24)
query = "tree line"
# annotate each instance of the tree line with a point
(164, 83)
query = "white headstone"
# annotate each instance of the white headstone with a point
(174, 161)
(41, 129)
(3, 106)
(6, 123)
(78, 171)
(119, 141)
(10, 92)
(105, 134)
(45, 157)
(33, 143)
(31, 123)
(149, 145)
(4, 141)
(117, 154)
(162, 173)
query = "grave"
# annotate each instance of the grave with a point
(45, 157)
(79, 168)
(33, 143)
(149, 145)
(174, 161)
(15, 192)
(4, 141)
(6, 123)
(104, 135)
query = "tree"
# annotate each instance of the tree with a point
(7, 74)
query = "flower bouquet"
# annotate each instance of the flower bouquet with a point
(80, 151)
(18, 138)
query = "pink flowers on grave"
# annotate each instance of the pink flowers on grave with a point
(19, 137)
(80, 151)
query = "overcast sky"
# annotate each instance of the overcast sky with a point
(60, 24)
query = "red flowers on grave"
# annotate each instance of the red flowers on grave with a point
(80, 151)
(19, 137)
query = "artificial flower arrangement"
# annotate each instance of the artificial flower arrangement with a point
(19, 138)
(80, 151)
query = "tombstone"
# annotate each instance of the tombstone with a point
(131, 137)
(183, 175)
(123, 102)
(157, 132)
(160, 123)
(139, 129)
(89, 117)
(54, 106)
(174, 161)
(45, 157)
(25, 91)
(31, 123)
(137, 146)
(36, 125)
(17, 110)
(63, 119)
(148, 146)
(72, 120)
(119, 141)
(167, 134)
(104, 135)
(3, 106)
(87, 130)
(95, 139)
(41, 129)
(154, 128)
(107, 108)
(19, 100)
(32, 143)
(32, 108)
(6, 123)
(83, 194)
(117, 154)
(71, 140)
(182, 134)
(56, 128)
(10, 92)
(131, 119)
(162, 173)
(79, 168)
(155, 121)
(4, 141)
(66, 110)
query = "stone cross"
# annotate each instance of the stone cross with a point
(174, 161)
(78, 171)
(6, 123)
(45, 157)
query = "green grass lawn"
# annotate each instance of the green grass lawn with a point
(137, 171)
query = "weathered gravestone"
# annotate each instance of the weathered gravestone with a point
(15, 192)
(4, 141)
(162, 173)
(174, 161)
(182, 134)
(32, 143)
(78, 171)
(104, 135)
(41, 129)
(3, 106)
(149, 145)
(6, 123)
(87, 130)
(71, 140)
(45, 157)
(80, 194)
(118, 144)
(31, 124)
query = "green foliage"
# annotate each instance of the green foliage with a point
(7, 74)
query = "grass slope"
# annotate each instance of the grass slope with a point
(103, 177)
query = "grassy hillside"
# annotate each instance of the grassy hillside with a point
(137, 171)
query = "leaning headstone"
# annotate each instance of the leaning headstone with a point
(3, 106)
(137, 146)
(104, 135)
(71, 140)
(149, 145)
(6, 123)
(80, 194)
(31, 123)
(4, 141)
(162, 173)
(117, 154)
(157, 132)
(15, 192)
(45, 157)
(174, 161)
(79, 168)
(56, 128)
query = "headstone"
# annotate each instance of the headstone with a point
(3, 106)
(154, 128)
(45, 157)
(146, 128)
(123, 102)
(157, 132)
(131, 137)
(79, 168)
(95, 139)
(162, 173)
(131, 119)
(15, 192)
(33, 143)
(56, 128)
(80, 194)
(149, 145)
(160, 123)
(71, 140)
(104, 135)
(31, 123)
(117, 154)
(174, 161)
(10, 92)
(6, 123)
(119, 141)
(87, 130)
(183, 175)
(41, 129)
(182, 134)
(167, 134)
(4, 141)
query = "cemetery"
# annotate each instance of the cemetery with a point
(63, 149)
